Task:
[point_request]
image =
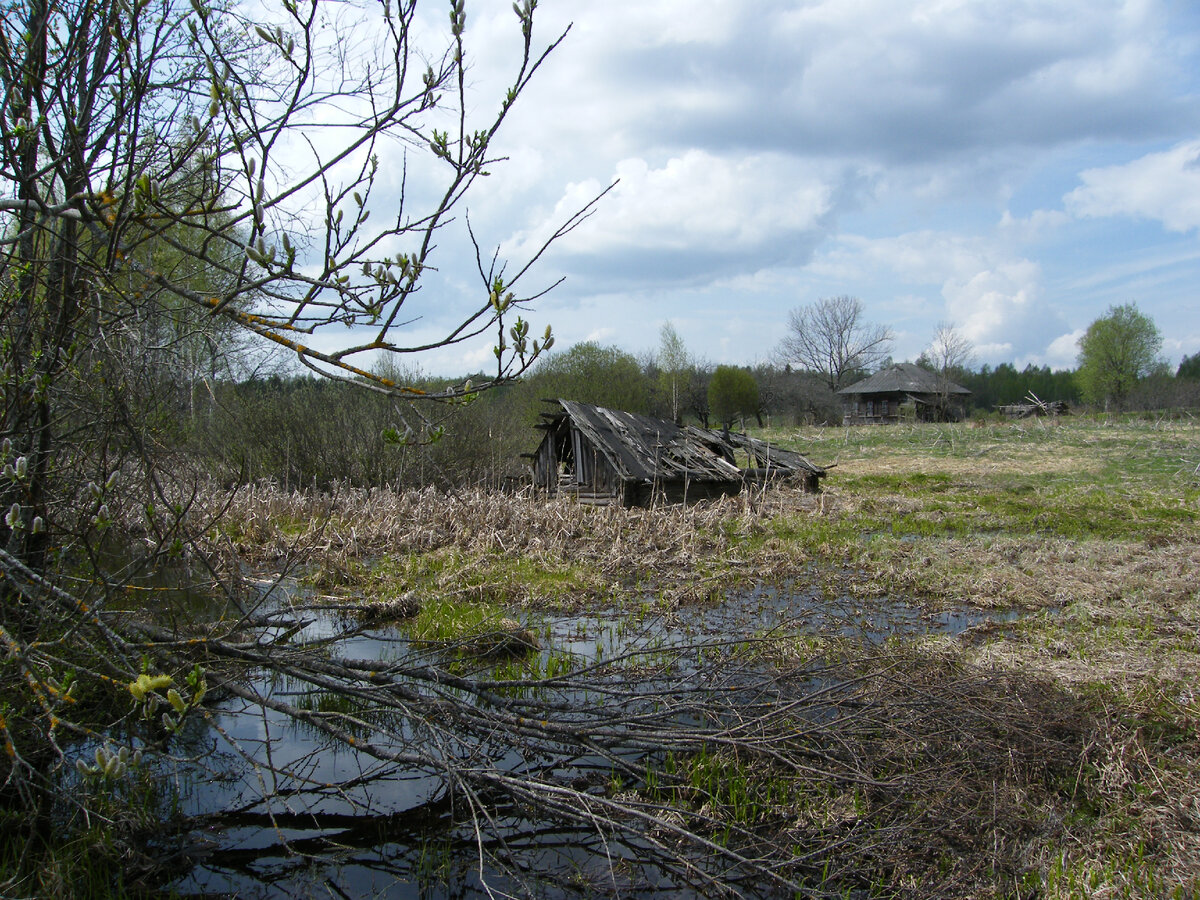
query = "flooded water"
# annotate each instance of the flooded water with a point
(348, 826)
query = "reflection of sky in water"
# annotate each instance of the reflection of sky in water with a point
(392, 835)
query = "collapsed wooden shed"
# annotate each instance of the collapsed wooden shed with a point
(603, 455)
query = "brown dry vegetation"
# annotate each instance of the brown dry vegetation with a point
(468, 543)
(1055, 755)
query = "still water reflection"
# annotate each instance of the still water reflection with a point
(387, 832)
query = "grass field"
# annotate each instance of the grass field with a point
(1093, 528)
(1053, 752)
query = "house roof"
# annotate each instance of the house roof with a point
(904, 378)
(644, 449)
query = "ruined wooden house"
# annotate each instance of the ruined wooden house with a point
(903, 393)
(602, 455)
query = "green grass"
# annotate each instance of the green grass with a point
(448, 621)
(86, 859)
(493, 578)
(1123, 874)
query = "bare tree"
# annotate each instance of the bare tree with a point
(951, 352)
(248, 152)
(949, 355)
(832, 338)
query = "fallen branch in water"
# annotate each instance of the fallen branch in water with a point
(736, 766)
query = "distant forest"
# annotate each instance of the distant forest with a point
(303, 431)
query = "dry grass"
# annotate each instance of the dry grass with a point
(472, 536)
(1033, 572)
(1119, 626)
(1089, 527)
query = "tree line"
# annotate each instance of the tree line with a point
(302, 431)
(242, 416)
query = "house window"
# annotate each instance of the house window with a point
(870, 408)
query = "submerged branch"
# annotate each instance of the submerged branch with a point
(716, 765)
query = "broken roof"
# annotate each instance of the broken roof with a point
(904, 378)
(643, 449)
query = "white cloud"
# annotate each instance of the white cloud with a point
(1062, 352)
(992, 296)
(696, 204)
(1038, 224)
(997, 304)
(600, 335)
(747, 134)
(1161, 186)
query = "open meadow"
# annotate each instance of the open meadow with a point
(1016, 606)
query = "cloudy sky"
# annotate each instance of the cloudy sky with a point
(1014, 167)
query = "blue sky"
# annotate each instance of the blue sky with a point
(1014, 167)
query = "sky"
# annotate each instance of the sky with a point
(1011, 167)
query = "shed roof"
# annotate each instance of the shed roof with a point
(644, 449)
(904, 378)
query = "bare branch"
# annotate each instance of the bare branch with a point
(831, 337)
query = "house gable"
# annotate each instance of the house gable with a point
(902, 392)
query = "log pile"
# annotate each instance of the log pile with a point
(1034, 406)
